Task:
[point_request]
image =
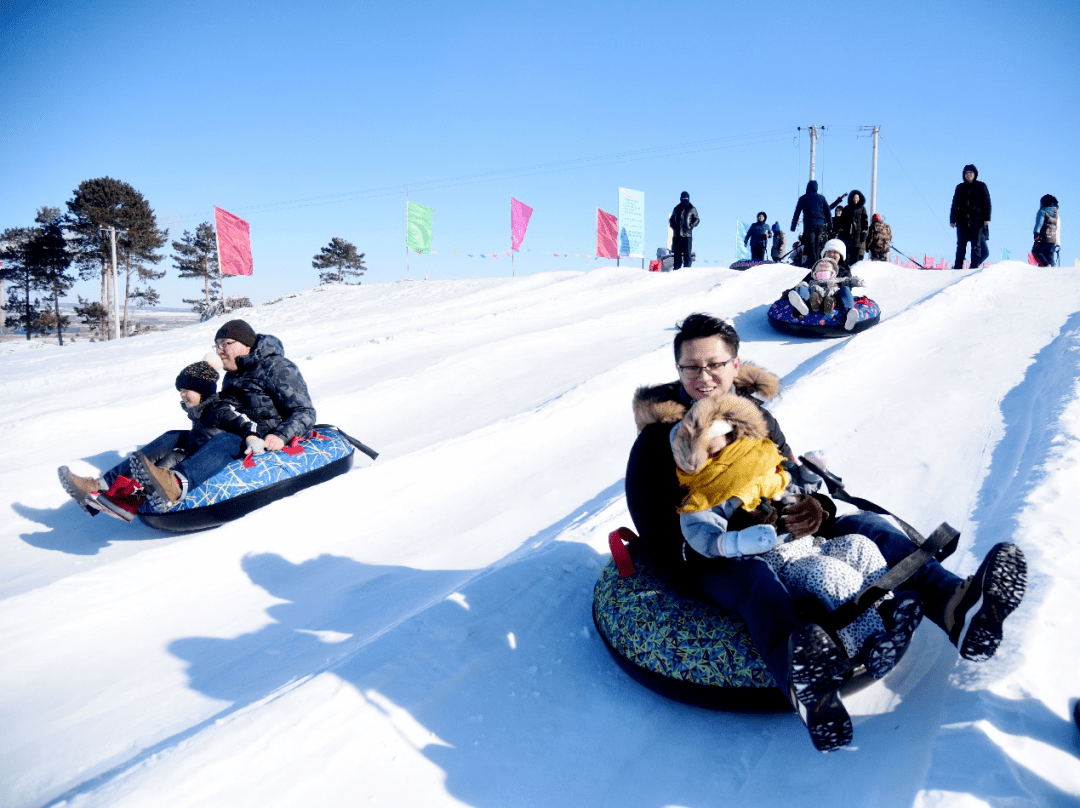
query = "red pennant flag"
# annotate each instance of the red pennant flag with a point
(234, 243)
(607, 232)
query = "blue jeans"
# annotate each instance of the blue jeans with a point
(933, 582)
(1045, 254)
(847, 297)
(211, 457)
(748, 587)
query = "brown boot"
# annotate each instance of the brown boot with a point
(829, 305)
(815, 300)
(79, 488)
(162, 488)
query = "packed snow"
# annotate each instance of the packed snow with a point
(418, 631)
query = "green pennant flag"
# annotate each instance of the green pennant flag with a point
(418, 227)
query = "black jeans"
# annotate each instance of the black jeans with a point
(680, 245)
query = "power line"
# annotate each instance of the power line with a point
(616, 158)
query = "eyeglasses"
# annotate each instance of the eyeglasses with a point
(223, 344)
(696, 370)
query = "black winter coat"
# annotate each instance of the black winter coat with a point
(684, 219)
(970, 204)
(653, 493)
(268, 389)
(814, 208)
(854, 223)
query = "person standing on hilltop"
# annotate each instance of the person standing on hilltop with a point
(970, 215)
(814, 209)
(683, 220)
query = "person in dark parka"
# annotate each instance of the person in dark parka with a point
(683, 220)
(970, 215)
(814, 209)
(853, 227)
(758, 237)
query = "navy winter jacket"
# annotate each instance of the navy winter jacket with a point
(268, 388)
(757, 234)
(814, 208)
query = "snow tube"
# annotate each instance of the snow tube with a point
(237, 489)
(784, 318)
(683, 648)
(746, 263)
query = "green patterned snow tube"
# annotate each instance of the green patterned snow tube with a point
(682, 647)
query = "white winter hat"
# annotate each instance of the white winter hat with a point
(835, 244)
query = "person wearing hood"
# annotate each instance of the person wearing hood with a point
(970, 215)
(779, 242)
(1047, 244)
(758, 237)
(814, 209)
(853, 226)
(683, 220)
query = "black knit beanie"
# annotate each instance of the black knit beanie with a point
(200, 377)
(237, 330)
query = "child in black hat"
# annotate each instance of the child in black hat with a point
(197, 384)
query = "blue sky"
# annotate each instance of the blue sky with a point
(309, 120)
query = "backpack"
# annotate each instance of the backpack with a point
(1050, 229)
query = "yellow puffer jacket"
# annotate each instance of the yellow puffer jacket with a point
(748, 469)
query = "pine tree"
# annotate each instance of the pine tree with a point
(93, 314)
(19, 271)
(48, 253)
(196, 256)
(102, 203)
(341, 255)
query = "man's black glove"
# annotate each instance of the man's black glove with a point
(803, 517)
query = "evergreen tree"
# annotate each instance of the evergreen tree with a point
(94, 315)
(20, 272)
(48, 253)
(102, 203)
(341, 258)
(196, 256)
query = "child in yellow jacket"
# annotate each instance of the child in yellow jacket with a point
(725, 463)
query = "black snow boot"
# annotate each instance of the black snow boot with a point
(817, 667)
(974, 614)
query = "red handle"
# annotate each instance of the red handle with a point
(619, 551)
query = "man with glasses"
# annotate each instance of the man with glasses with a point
(264, 387)
(269, 402)
(803, 660)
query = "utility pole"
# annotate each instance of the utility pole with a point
(813, 145)
(875, 131)
(115, 282)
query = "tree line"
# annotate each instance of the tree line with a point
(108, 221)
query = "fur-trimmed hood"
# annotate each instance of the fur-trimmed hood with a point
(737, 417)
(669, 403)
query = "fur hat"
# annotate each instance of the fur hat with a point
(835, 244)
(202, 377)
(239, 331)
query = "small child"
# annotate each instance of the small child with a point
(725, 463)
(828, 280)
(197, 384)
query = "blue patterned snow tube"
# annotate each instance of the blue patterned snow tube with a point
(682, 647)
(237, 490)
(784, 318)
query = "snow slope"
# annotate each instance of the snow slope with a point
(418, 632)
